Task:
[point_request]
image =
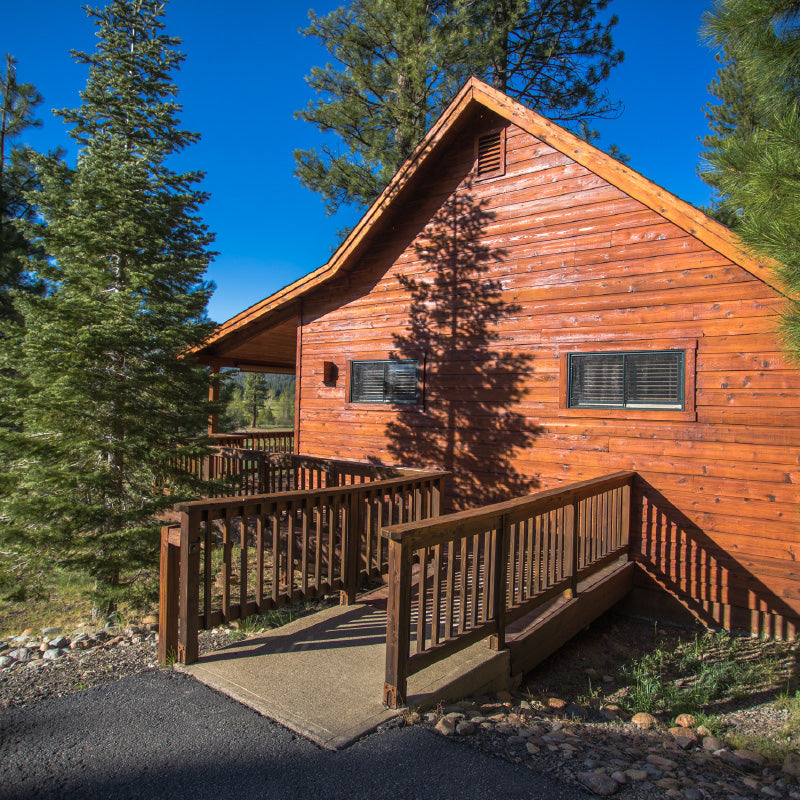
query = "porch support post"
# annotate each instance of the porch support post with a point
(213, 397)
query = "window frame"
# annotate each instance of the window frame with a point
(687, 346)
(387, 403)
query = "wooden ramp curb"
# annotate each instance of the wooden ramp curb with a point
(532, 639)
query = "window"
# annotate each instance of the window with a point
(385, 381)
(650, 379)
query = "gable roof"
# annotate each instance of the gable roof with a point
(475, 93)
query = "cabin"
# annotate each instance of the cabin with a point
(526, 313)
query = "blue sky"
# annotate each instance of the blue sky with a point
(244, 78)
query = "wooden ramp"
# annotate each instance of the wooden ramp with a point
(533, 638)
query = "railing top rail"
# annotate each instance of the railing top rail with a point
(246, 435)
(318, 462)
(221, 503)
(461, 523)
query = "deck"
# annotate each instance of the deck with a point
(522, 576)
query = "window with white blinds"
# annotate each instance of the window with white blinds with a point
(650, 379)
(384, 381)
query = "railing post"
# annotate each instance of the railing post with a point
(168, 600)
(355, 521)
(500, 586)
(398, 625)
(189, 594)
(627, 511)
(572, 513)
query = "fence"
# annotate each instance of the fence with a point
(232, 557)
(462, 577)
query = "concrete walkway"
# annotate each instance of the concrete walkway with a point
(322, 675)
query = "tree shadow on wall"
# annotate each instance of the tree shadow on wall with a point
(467, 421)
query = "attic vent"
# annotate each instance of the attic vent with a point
(491, 154)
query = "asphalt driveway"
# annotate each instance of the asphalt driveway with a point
(164, 735)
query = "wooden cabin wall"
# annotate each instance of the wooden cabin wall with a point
(561, 258)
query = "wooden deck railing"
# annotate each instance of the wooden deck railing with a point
(235, 556)
(236, 471)
(277, 441)
(462, 577)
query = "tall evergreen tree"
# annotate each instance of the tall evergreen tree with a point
(734, 111)
(255, 393)
(398, 63)
(754, 158)
(18, 102)
(107, 402)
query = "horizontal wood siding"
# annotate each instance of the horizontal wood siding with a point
(561, 259)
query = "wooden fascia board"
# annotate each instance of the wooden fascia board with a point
(655, 197)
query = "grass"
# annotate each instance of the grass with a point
(711, 668)
(256, 623)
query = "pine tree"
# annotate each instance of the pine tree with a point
(107, 402)
(18, 102)
(398, 63)
(255, 393)
(754, 163)
(734, 111)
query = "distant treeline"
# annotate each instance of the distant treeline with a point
(256, 400)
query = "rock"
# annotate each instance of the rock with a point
(791, 765)
(668, 783)
(636, 775)
(729, 758)
(619, 777)
(54, 653)
(150, 619)
(6, 661)
(525, 705)
(693, 793)
(660, 762)
(770, 792)
(685, 721)
(556, 703)
(684, 737)
(445, 726)
(48, 632)
(574, 711)
(20, 654)
(703, 731)
(465, 729)
(506, 730)
(532, 748)
(750, 760)
(644, 721)
(609, 713)
(414, 718)
(80, 637)
(430, 717)
(101, 635)
(712, 744)
(599, 783)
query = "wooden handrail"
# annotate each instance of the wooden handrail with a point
(467, 575)
(280, 548)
